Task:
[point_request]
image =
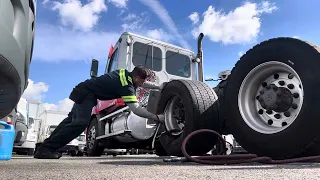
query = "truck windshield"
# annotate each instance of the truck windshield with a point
(178, 64)
(147, 55)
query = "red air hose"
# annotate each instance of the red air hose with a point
(235, 159)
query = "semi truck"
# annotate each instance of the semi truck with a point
(267, 101)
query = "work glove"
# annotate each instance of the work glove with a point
(160, 118)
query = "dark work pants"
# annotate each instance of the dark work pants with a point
(72, 126)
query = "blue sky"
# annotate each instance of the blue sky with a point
(69, 33)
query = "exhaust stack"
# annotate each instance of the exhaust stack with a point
(199, 57)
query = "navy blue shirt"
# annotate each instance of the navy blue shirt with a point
(113, 85)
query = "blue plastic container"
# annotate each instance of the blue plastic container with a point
(6, 140)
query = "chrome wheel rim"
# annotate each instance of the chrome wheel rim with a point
(270, 97)
(174, 116)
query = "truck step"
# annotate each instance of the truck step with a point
(123, 132)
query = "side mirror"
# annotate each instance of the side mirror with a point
(94, 68)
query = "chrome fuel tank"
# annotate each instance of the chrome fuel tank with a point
(141, 128)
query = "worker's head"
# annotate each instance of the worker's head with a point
(139, 75)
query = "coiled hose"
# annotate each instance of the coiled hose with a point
(235, 159)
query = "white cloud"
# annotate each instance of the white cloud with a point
(242, 25)
(139, 24)
(57, 44)
(119, 3)
(45, 2)
(63, 105)
(240, 53)
(159, 34)
(130, 17)
(80, 17)
(164, 16)
(297, 37)
(194, 17)
(35, 91)
(135, 23)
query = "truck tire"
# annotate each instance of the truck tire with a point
(220, 91)
(196, 110)
(272, 98)
(93, 148)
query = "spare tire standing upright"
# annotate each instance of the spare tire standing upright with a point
(272, 99)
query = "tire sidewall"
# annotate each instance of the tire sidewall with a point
(194, 119)
(172, 144)
(304, 60)
(94, 123)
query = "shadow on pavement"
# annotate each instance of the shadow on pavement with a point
(259, 166)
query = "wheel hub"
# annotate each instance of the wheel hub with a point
(174, 116)
(276, 99)
(270, 97)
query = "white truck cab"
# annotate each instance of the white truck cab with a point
(167, 61)
(111, 120)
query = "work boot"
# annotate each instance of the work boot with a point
(46, 153)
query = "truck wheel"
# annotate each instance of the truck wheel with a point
(188, 106)
(220, 91)
(272, 99)
(93, 148)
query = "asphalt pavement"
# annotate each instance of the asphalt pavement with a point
(146, 167)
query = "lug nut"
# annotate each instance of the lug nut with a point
(269, 111)
(300, 86)
(287, 114)
(294, 106)
(260, 111)
(290, 76)
(264, 84)
(295, 95)
(278, 116)
(284, 123)
(281, 83)
(258, 97)
(290, 86)
(270, 122)
(276, 76)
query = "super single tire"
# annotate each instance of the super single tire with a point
(93, 147)
(301, 135)
(198, 101)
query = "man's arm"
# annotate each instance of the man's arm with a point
(127, 93)
(150, 85)
(142, 112)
